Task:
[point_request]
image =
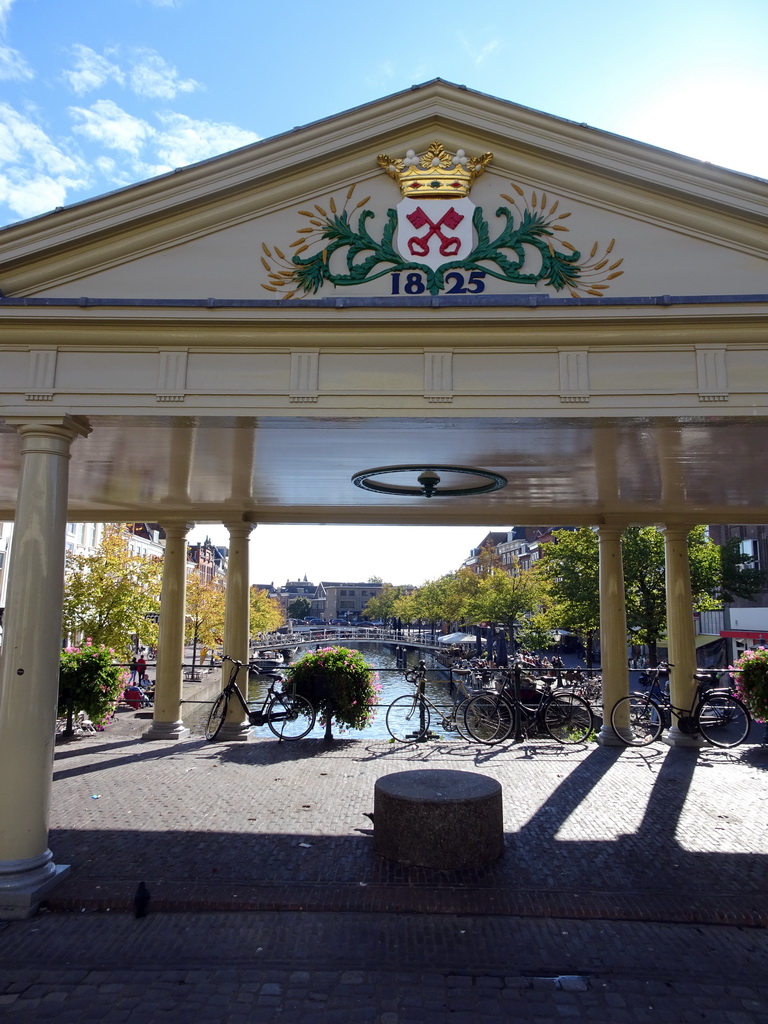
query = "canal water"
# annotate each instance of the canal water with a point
(393, 684)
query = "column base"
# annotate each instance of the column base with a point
(24, 884)
(165, 731)
(235, 732)
(608, 738)
(675, 738)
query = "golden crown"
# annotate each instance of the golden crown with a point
(436, 173)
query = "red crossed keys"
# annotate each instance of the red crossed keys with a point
(449, 245)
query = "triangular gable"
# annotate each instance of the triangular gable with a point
(559, 211)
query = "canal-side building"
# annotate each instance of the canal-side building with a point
(440, 308)
(347, 600)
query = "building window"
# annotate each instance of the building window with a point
(751, 550)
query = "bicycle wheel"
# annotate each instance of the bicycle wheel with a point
(636, 720)
(408, 718)
(488, 719)
(459, 718)
(723, 720)
(290, 716)
(217, 716)
(568, 718)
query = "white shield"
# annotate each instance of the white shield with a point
(434, 231)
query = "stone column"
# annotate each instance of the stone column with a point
(29, 667)
(236, 622)
(613, 628)
(681, 636)
(166, 722)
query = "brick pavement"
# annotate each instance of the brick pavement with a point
(268, 903)
(653, 834)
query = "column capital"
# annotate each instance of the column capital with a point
(610, 531)
(239, 527)
(674, 530)
(176, 529)
(65, 428)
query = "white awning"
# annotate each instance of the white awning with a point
(457, 638)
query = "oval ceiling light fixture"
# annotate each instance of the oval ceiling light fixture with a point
(428, 481)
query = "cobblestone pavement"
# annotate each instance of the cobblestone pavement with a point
(356, 968)
(632, 888)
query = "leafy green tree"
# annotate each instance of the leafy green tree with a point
(644, 580)
(458, 590)
(299, 607)
(90, 680)
(382, 605)
(405, 607)
(738, 577)
(535, 632)
(113, 594)
(429, 601)
(501, 597)
(570, 567)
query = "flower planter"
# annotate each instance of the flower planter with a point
(751, 675)
(340, 684)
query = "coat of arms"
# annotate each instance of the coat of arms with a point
(436, 239)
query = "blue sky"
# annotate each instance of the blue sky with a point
(98, 94)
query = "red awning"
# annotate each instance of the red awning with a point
(745, 634)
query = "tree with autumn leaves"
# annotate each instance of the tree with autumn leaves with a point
(112, 595)
(266, 613)
(205, 613)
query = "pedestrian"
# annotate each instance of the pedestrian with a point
(133, 696)
(134, 669)
(141, 668)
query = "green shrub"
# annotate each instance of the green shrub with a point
(90, 681)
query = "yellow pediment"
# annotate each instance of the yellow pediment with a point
(561, 212)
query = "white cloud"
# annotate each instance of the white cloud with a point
(112, 126)
(186, 141)
(35, 173)
(28, 195)
(23, 141)
(121, 173)
(151, 76)
(91, 70)
(13, 67)
(5, 7)
(478, 56)
(119, 149)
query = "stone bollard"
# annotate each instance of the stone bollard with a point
(438, 818)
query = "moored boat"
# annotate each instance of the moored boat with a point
(265, 661)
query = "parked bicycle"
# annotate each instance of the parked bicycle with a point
(715, 714)
(409, 716)
(655, 680)
(491, 717)
(287, 714)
